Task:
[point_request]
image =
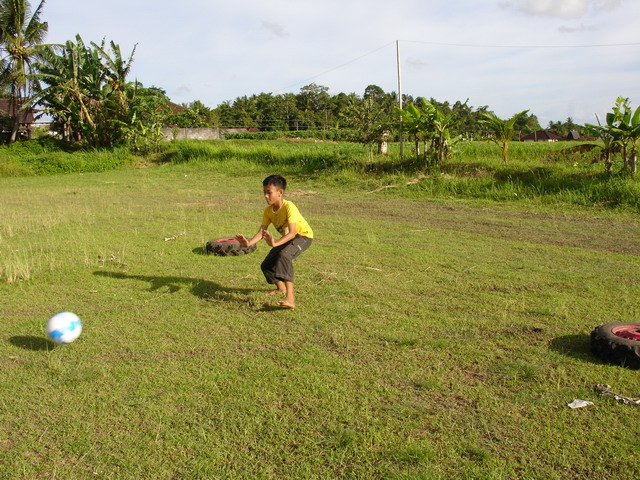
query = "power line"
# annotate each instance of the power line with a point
(335, 68)
(471, 45)
(458, 45)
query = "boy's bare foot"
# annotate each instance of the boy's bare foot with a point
(286, 304)
(277, 291)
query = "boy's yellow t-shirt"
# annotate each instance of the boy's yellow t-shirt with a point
(286, 214)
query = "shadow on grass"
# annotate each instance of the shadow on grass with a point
(29, 342)
(543, 179)
(409, 165)
(274, 308)
(482, 178)
(204, 289)
(574, 346)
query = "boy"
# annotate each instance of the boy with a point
(296, 238)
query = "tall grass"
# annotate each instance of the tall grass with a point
(16, 269)
(542, 173)
(288, 156)
(46, 156)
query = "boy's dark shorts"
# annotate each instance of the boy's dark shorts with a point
(278, 264)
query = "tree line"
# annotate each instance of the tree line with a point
(86, 91)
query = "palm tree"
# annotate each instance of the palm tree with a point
(21, 37)
(502, 131)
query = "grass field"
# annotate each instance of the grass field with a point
(432, 339)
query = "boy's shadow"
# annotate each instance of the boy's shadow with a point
(204, 289)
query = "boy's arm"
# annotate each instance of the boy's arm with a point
(253, 240)
(284, 239)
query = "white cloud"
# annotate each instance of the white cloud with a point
(581, 28)
(607, 4)
(181, 90)
(569, 9)
(275, 29)
(415, 63)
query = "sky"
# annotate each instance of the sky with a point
(557, 58)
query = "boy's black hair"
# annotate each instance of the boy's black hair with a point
(277, 181)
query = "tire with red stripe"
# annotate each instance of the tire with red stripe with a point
(228, 246)
(617, 342)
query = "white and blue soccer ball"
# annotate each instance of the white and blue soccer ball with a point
(64, 327)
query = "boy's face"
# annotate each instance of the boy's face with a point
(272, 194)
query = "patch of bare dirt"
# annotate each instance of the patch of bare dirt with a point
(206, 204)
(300, 193)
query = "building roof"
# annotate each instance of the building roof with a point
(175, 108)
(576, 135)
(541, 136)
(6, 107)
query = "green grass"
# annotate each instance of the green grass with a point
(431, 339)
(540, 174)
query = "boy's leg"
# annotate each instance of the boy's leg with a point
(283, 267)
(268, 269)
(290, 300)
(280, 289)
(283, 261)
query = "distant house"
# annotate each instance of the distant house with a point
(542, 136)
(27, 117)
(575, 135)
(175, 108)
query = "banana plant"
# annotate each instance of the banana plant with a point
(620, 133)
(430, 125)
(609, 142)
(86, 90)
(413, 121)
(438, 125)
(626, 126)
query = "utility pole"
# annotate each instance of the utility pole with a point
(399, 96)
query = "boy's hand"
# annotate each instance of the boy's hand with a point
(242, 240)
(266, 235)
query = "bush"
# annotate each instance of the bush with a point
(343, 135)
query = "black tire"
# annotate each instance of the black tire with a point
(617, 342)
(224, 247)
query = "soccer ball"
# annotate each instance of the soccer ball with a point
(64, 327)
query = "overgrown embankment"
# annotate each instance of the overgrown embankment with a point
(548, 174)
(539, 173)
(46, 156)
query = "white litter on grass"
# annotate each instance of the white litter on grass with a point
(577, 403)
(605, 390)
(168, 239)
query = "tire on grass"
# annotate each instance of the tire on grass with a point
(617, 342)
(224, 247)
